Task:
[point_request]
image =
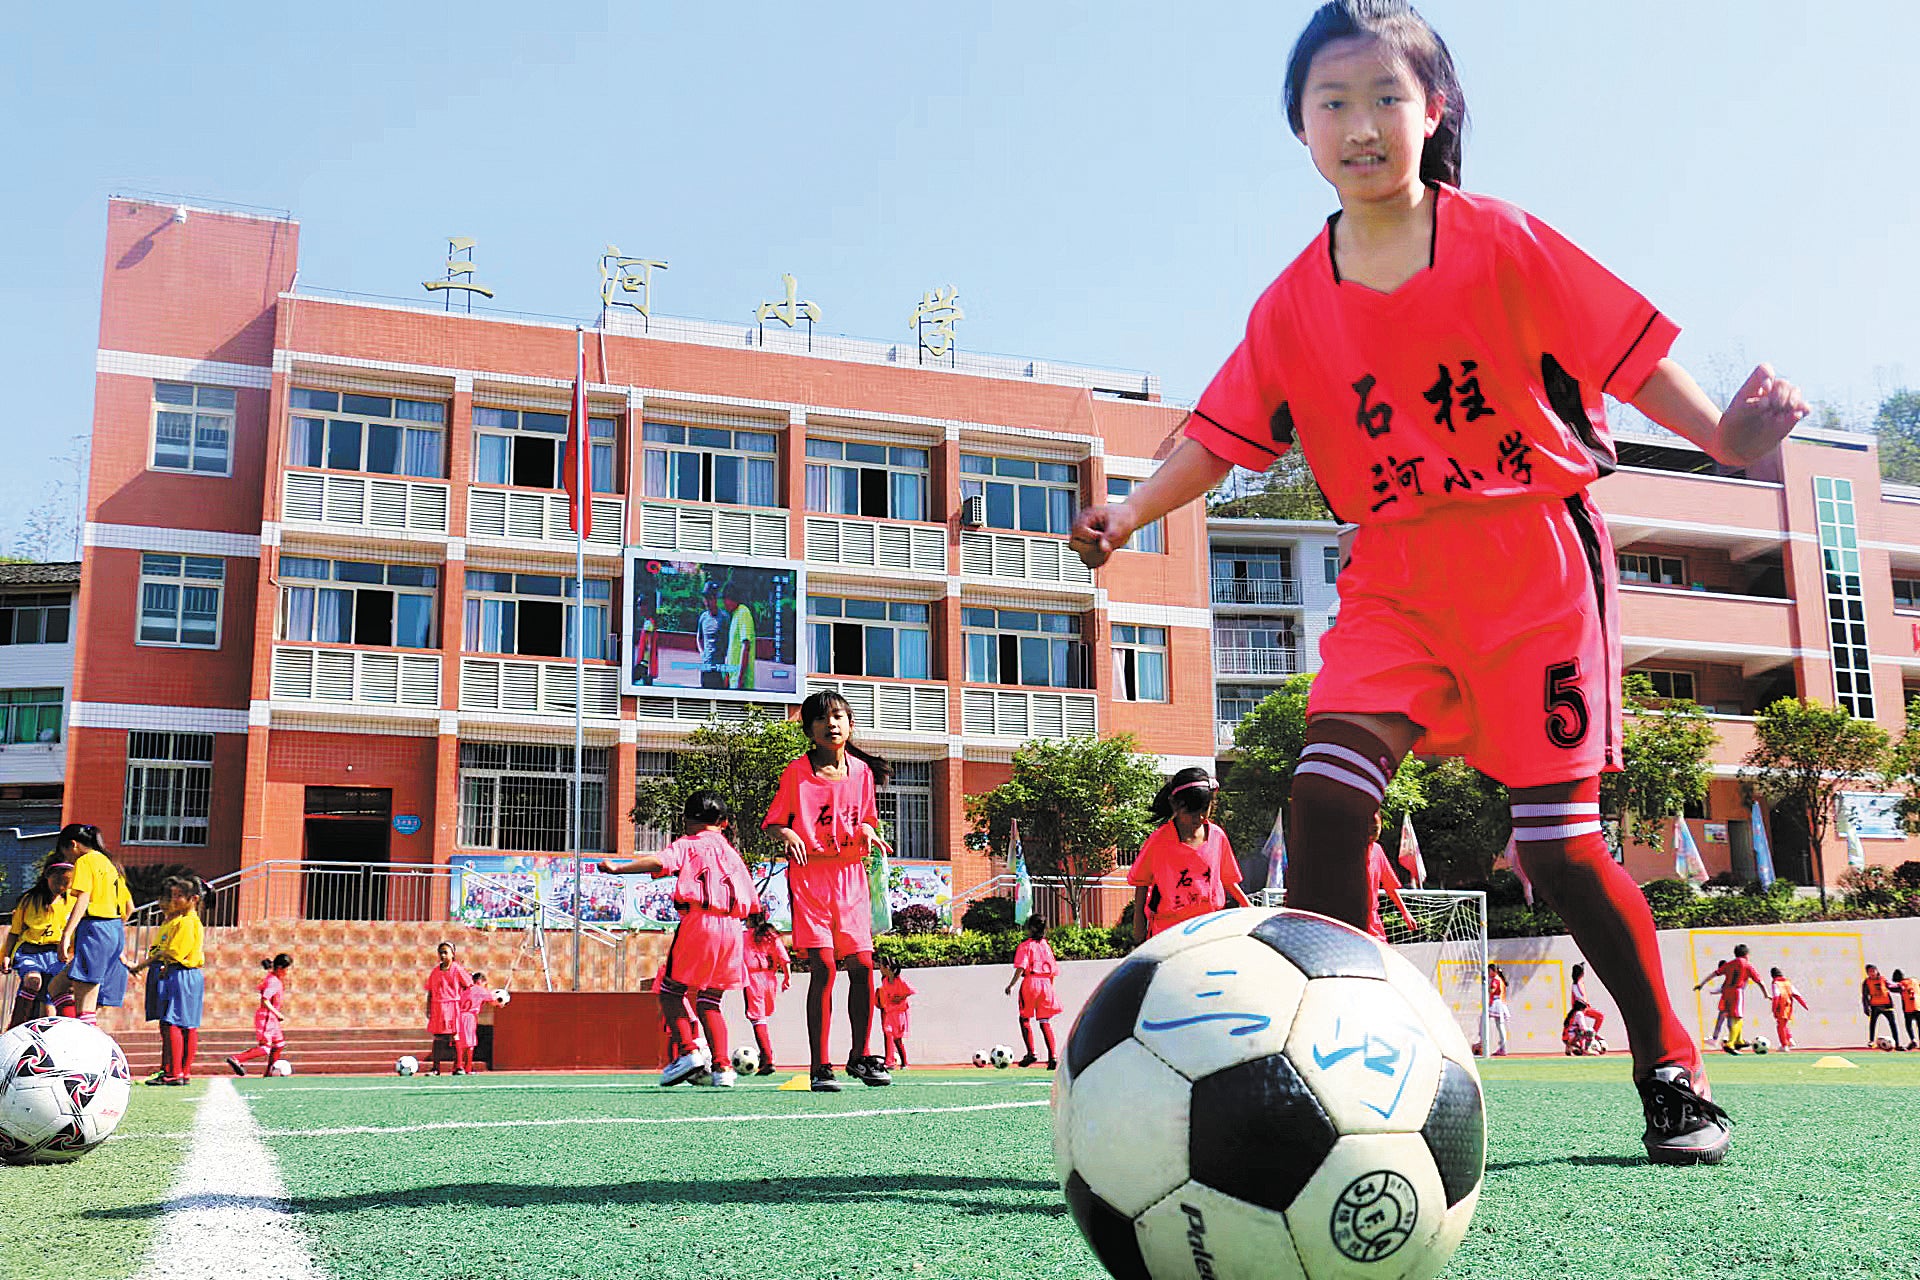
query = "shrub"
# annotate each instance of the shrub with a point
(939, 950)
(1908, 874)
(1672, 902)
(917, 918)
(988, 915)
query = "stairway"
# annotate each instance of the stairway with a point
(312, 1052)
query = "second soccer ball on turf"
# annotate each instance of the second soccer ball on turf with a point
(746, 1059)
(1760, 1045)
(1002, 1056)
(981, 1058)
(407, 1066)
(281, 1068)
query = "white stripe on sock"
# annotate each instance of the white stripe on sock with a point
(1342, 775)
(1349, 755)
(1528, 835)
(1589, 810)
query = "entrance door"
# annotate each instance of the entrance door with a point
(347, 852)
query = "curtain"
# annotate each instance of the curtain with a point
(423, 454)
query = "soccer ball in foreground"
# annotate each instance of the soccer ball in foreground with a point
(1760, 1044)
(281, 1068)
(981, 1058)
(746, 1059)
(1273, 1094)
(1002, 1056)
(502, 996)
(407, 1066)
(63, 1088)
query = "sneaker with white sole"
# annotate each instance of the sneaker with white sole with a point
(722, 1079)
(870, 1071)
(683, 1068)
(820, 1080)
(1682, 1126)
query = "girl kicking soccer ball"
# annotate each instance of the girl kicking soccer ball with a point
(32, 948)
(827, 817)
(268, 1037)
(1443, 359)
(1034, 968)
(1186, 867)
(713, 893)
(891, 998)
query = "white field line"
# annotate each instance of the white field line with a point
(229, 1211)
(561, 1122)
(645, 1085)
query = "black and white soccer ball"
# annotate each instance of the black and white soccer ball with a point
(1001, 1057)
(64, 1086)
(281, 1068)
(746, 1059)
(406, 1065)
(981, 1058)
(1269, 1093)
(1760, 1044)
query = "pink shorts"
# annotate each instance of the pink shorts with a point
(266, 1030)
(1037, 999)
(831, 909)
(443, 1017)
(1495, 628)
(708, 953)
(763, 988)
(468, 1034)
(893, 1023)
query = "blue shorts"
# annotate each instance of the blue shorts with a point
(97, 944)
(152, 1000)
(43, 960)
(181, 993)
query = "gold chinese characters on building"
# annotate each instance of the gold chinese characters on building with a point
(934, 319)
(459, 278)
(627, 281)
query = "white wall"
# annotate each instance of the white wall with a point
(36, 666)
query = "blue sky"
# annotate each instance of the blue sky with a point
(1110, 184)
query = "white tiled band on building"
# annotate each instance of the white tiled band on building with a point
(218, 373)
(191, 542)
(132, 715)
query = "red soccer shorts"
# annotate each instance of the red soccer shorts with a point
(831, 909)
(708, 953)
(1491, 626)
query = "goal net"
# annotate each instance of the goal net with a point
(1448, 944)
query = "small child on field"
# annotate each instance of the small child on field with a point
(447, 985)
(1034, 968)
(891, 998)
(1783, 998)
(769, 972)
(176, 989)
(467, 1035)
(268, 1038)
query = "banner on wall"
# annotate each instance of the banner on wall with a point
(1870, 814)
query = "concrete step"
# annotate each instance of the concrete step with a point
(317, 1051)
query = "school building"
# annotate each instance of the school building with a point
(324, 614)
(1797, 576)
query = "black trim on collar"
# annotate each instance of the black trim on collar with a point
(1433, 246)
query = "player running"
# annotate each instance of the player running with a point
(1783, 999)
(1034, 968)
(1734, 976)
(1443, 360)
(269, 1037)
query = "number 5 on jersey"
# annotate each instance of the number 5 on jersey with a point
(1567, 718)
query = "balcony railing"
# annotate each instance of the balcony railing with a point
(415, 506)
(1231, 659)
(1256, 591)
(1017, 556)
(1007, 713)
(893, 708)
(536, 688)
(363, 676)
(734, 531)
(539, 516)
(877, 544)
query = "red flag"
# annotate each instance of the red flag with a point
(1416, 866)
(578, 480)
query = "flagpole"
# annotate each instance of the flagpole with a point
(580, 493)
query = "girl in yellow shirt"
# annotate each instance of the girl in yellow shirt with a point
(32, 948)
(96, 929)
(175, 987)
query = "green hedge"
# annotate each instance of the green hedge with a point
(970, 946)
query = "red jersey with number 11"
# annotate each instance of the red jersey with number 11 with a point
(1481, 378)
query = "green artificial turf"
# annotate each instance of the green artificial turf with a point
(53, 1226)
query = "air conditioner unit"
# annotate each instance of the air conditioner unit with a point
(973, 513)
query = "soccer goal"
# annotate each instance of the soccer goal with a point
(1449, 945)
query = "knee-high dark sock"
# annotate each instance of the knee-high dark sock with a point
(1337, 788)
(1046, 1032)
(860, 1008)
(707, 1005)
(1026, 1035)
(819, 1008)
(764, 1039)
(23, 1007)
(1566, 858)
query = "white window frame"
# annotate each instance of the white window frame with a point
(1129, 642)
(906, 806)
(1150, 539)
(292, 579)
(599, 601)
(180, 766)
(665, 441)
(1330, 563)
(182, 579)
(44, 604)
(829, 466)
(310, 406)
(980, 473)
(510, 426)
(896, 618)
(53, 697)
(485, 766)
(975, 643)
(205, 408)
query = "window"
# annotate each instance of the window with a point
(1152, 538)
(1906, 593)
(1253, 575)
(1661, 571)
(180, 600)
(529, 614)
(517, 797)
(381, 434)
(906, 804)
(1037, 497)
(1252, 646)
(1233, 703)
(1846, 603)
(1018, 646)
(390, 605)
(709, 464)
(884, 481)
(529, 449)
(169, 781)
(192, 429)
(1330, 563)
(1139, 663)
(1671, 684)
(869, 637)
(36, 619)
(33, 715)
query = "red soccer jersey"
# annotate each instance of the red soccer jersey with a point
(1186, 881)
(826, 813)
(1479, 379)
(1734, 975)
(1379, 872)
(766, 957)
(892, 994)
(1035, 959)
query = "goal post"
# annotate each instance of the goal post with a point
(1449, 945)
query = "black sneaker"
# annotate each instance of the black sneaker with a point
(821, 1080)
(766, 1069)
(870, 1071)
(1027, 1061)
(1682, 1126)
(234, 1064)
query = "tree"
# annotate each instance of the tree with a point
(1664, 764)
(1286, 491)
(1807, 753)
(1462, 821)
(1898, 426)
(1903, 771)
(51, 528)
(742, 760)
(1078, 801)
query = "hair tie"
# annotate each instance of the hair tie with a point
(1188, 786)
(59, 866)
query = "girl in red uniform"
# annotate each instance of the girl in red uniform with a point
(1443, 360)
(713, 893)
(891, 998)
(1186, 867)
(769, 972)
(447, 985)
(268, 1037)
(1034, 968)
(1382, 878)
(827, 817)
(1783, 999)
(466, 1035)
